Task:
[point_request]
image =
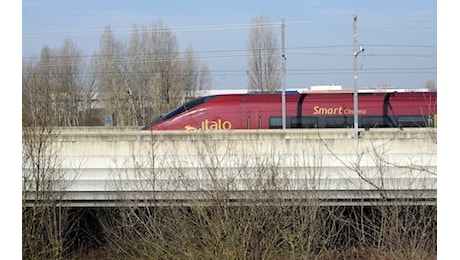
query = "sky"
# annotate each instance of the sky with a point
(399, 38)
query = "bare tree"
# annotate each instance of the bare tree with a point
(138, 81)
(164, 48)
(110, 78)
(195, 76)
(57, 85)
(264, 62)
(431, 85)
(46, 222)
(239, 213)
(215, 196)
(146, 77)
(89, 107)
(68, 89)
(400, 224)
(37, 91)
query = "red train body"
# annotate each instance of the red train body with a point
(303, 110)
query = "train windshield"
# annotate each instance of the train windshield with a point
(180, 109)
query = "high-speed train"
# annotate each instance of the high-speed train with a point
(303, 110)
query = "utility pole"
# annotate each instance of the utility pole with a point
(356, 52)
(283, 64)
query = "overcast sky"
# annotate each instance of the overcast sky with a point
(399, 37)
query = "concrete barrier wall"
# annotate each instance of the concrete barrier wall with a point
(101, 162)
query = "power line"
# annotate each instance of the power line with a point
(330, 71)
(224, 51)
(190, 28)
(151, 60)
(333, 50)
(210, 27)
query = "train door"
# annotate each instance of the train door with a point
(254, 119)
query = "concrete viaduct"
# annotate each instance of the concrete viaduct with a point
(109, 166)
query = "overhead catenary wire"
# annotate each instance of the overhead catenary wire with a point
(237, 73)
(213, 27)
(161, 28)
(389, 50)
(231, 53)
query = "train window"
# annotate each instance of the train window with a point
(372, 121)
(349, 121)
(338, 122)
(412, 121)
(260, 123)
(182, 108)
(276, 122)
(296, 122)
(304, 122)
(389, 121)
(196, 102)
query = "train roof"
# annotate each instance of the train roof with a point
(307, 90)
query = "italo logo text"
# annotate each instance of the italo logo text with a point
(211, 125)
(317, 110)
